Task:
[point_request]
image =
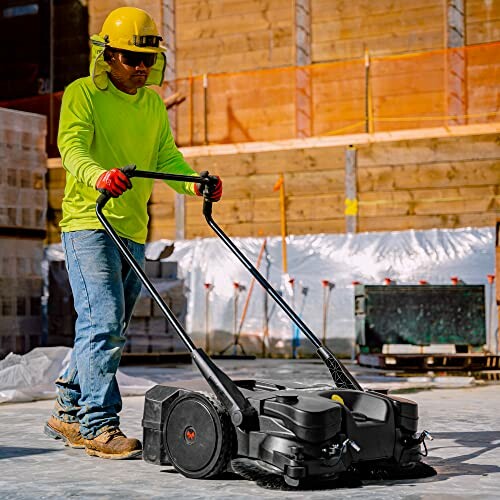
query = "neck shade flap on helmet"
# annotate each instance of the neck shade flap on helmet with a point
(99, 68)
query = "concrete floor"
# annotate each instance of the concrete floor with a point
(465, 422)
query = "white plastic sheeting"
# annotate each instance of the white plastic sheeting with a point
(31, 377)
(404, 256)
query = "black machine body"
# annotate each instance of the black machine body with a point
(300, 432)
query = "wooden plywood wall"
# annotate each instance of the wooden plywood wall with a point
(215, 36)
(343, 29)
(228, 39)
(233, 35)
(482, 21)
(483, 75)
(404, 181)
(409, 91)
(431, 182)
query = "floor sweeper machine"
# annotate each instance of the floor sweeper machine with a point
(300, 432)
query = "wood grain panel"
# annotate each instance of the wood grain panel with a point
(331, 10)
(406, 222)
(428, 202)
(482, 21)
(194, 10)
(338, 50)
(230, 23)
(439, 175)
(240, 61)
(237, 43)
(309, 160)
(448, 149)
(369, 25)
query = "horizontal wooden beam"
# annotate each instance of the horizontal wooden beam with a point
(343, 140)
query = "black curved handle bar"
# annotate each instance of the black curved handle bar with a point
(341, 376)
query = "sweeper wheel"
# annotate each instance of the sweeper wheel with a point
(198, 435)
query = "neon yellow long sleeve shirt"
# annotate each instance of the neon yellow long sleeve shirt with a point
(103, 129)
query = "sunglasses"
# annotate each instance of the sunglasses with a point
(134, 59)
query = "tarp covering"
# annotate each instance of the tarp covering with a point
(403, 256)
(31, 376)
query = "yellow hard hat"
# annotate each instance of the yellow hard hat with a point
(130, 28)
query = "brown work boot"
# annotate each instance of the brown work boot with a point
(68, 432)
(112, 443)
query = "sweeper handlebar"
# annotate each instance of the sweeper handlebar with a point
(341, 376)
(130, 171)
(241, 412)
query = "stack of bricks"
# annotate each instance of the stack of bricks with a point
(149, 331)
(23, 202)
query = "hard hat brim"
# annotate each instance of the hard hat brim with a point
(100, 41)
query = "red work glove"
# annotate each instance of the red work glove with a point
(211, 191)
(114, 182)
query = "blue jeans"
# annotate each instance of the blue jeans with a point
(105, 290)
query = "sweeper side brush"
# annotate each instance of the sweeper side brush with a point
(298, 432)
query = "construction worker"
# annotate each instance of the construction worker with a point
(108, 120)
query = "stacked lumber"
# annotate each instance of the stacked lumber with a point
(446, 183)
(428, 179)
(483, 75)
(23, 199)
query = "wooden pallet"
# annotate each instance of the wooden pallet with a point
(434, 362)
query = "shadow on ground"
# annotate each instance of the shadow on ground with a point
(458, 465)
(17, 451)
